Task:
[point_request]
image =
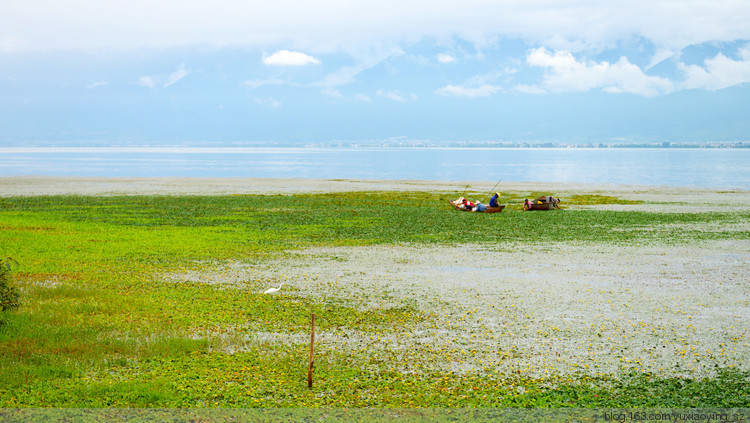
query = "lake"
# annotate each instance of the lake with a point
(699, 167)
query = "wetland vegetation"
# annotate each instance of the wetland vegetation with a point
(100, 325)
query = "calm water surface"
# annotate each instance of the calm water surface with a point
(714, 168)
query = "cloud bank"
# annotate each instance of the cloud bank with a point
(339, 25)
(718, 72)
(565, 73)
(335, 44)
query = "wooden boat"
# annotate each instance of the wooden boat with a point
(541, 203)
(539, 206)
(497, 209)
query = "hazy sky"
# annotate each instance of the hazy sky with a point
(162, 71)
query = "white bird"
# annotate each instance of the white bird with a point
(273, 290)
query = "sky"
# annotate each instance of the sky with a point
(167, 72)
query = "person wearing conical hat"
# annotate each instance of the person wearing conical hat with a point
(493, 200)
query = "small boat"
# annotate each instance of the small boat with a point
(458, 205)
(542, 203)
(497, 209)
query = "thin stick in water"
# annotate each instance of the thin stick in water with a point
(312, 346)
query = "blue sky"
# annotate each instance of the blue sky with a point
(290, 71)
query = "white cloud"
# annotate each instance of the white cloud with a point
(565, 73)
(290, 58)
(542, 57)
(397, 95)
(96, 85)
(332, 92)
(343, 76)
(269, 102)
(257, 83)
(147, 81)
(718, 72)
(163, 81)
(445, 58)
(482, 85)
(176, 76)
(363, 98)
(484, 90)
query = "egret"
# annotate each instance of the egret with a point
(273, 290)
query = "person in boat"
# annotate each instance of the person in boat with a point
(545, 199)
(548, 199)
(479, 208)
(466, 205)
(493, 200)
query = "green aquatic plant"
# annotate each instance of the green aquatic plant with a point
(597, 199)
(113, 317)
(9, 295)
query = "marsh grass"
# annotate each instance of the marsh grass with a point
(599, 199)
(101, 327)
(9, 296)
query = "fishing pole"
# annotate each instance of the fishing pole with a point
(492, 190)
(465, 189)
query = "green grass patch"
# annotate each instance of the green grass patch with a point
(598, 199)
(99, 326)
